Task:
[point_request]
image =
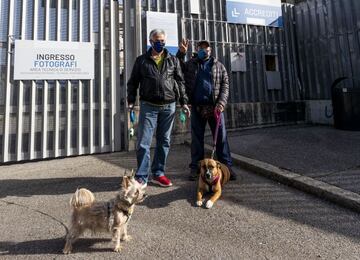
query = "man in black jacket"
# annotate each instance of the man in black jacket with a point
(161, 84)
(207, 86)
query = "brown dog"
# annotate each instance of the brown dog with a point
(213, 175)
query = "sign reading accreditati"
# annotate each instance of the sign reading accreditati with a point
(256, 12)
(43, 60)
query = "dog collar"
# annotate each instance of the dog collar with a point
(214, 181)
(125, 212)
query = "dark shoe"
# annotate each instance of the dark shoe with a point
(194, 174)
(233, 175)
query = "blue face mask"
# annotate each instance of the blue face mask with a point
(202, 54)
(158, 46)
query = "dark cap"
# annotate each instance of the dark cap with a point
(203, 42)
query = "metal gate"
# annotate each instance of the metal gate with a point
(267, 91)
(256, 42)
(54, 118)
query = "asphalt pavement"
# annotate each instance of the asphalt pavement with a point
(321, 160)
(256, 218)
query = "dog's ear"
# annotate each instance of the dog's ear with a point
(218, 164)
(226, 172)
(125, 182)
(131, 174)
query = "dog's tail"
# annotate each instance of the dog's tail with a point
(82, 198)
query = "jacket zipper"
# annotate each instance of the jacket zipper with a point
(159, 73)
(214, 82)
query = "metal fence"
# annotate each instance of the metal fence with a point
(52, 118)
(328, 40)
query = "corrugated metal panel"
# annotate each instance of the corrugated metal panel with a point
(4, 20)
(328, 44)
(255, 41)
(51, 118)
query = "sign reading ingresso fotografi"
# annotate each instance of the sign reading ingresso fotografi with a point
(41, 60)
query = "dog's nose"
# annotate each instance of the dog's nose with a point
(208, 175)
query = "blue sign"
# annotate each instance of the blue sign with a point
(256, 12)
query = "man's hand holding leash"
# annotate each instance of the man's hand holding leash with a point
(186, 110)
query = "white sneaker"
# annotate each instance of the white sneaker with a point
(143, 184)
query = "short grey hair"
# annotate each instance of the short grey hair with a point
(156, 32)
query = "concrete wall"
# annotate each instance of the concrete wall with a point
(319, 112)
(242, 115)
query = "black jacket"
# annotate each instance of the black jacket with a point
(219, 76)
(158, 87)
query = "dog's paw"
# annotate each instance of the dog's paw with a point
(117, 249)
(126, 238)
(199, 203)
(66, 251)
(209, 204)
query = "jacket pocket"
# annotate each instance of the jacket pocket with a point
(168, 89)
(149, 90)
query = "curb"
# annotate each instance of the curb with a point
(320, 189)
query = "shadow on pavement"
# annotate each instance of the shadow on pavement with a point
(287, 203)
(56, 186)
(52, 246)
(253, 192)
(164, 199)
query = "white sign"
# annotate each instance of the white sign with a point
(257, 12)
(41, 60)
(195, 6)
(169, 23)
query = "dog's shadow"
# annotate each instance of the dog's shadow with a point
(52, 246)
(184, 190)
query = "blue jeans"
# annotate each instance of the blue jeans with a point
(198, 125)
(153, 117)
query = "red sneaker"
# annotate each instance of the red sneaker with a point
(163, 181)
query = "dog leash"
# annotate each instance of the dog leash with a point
(217, 115)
